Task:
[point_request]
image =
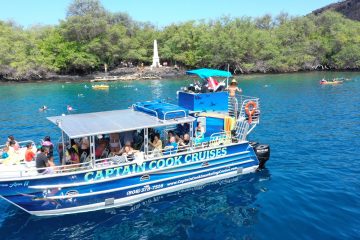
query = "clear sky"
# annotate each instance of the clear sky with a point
(159, 12)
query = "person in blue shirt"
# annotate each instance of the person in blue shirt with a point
(5, 153)
(171, 147)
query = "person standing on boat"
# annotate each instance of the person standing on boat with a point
(42, 161)
(199, 131)
(49, 145)
(233, 88)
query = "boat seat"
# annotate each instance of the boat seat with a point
(83, 157)
(105, 153)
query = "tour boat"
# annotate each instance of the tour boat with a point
(220, 150)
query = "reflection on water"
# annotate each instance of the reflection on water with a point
(203, 212)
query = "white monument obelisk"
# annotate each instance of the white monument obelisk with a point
(156, 59)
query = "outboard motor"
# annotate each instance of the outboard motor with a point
(262, 152)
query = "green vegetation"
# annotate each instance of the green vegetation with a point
(91, 36)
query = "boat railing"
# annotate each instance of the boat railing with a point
(220, 138)
(174, 111)
(216, 139)
(244, 103)
(24, 170)
(233, 107)
(241, 129)
(22, 144)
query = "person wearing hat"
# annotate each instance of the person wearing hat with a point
(233, 88)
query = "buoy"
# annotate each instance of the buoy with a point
(250, 109)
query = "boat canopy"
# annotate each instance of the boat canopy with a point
(206, 73)
(91, 124)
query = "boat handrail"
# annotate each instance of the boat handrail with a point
(220, 138)
(244, 100)
(21, 143)
(216, 139)
(174, 111)
(22, 170)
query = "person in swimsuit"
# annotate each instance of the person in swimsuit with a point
(199, 131)
(233, 88)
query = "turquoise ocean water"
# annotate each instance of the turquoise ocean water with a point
(310, 189)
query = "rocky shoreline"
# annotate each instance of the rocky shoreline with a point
(130, 74)
(121, 74)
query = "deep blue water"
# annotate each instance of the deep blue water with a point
(310, 189)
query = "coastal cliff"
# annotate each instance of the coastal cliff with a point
(348, 8)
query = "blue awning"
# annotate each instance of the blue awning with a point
(206, 73)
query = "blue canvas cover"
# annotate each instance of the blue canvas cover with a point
(164, 111)
(206, 73)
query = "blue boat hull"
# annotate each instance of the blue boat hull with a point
(113, 186)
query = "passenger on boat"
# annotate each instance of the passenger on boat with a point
(199, 131)
(11, 155)
(100, 149)
(115, 145)
(60, 150)
(42, 161)
(29, 153)
(127, 150)
(170, 135)
(47, 143)
(171, 147)
(74, 145)
(11, 138)
(5, 153)
(185, 141)
(156, 144)
(74, 156)
(84, 146)
(233, 88)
